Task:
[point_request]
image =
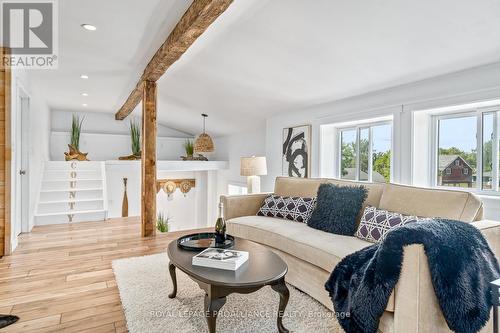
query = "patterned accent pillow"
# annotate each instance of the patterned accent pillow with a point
(291, 208)
(376, 223)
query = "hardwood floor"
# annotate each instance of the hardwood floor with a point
(59, 279)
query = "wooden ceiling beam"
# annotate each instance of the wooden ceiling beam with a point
(193, 23)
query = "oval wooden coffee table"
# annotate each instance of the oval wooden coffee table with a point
(263, 268)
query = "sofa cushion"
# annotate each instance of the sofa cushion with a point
(297, 187)
(308, 187)
(376, 223)
(319, 248)
(337, 208)
(291, 208)
(424, 202)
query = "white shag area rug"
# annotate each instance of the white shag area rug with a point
(144, 284)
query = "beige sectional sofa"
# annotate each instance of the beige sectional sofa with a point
(311, 254)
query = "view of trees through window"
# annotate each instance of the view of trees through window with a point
(373, 140)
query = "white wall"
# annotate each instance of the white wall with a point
(232, 148)
(105, 138)
(105, 123)
(38, 129)
(103, 147)
(472, 85)
(196, 209)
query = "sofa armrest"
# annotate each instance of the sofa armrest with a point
(416, 308)
(491, 231)
(242, 205)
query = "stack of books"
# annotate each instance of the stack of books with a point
(220, 258)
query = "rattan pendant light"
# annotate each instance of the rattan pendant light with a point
(203, 143)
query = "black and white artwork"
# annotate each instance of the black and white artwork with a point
(296, 148)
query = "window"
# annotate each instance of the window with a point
(365, 152)
(467, 149)
(456, 142)
(348, 154)
(236, 189)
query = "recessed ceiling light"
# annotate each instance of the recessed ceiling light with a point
(83, 76)
(89, 27)
(85, 94)
(85, 105)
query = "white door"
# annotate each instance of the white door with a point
(20, 222)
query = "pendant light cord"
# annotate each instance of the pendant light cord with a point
(204, 118)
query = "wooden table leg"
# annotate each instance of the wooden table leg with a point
(284, 293)
(171, 268)
(212, 307)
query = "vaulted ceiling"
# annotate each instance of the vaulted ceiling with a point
(262, 57)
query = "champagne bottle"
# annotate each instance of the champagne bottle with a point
(125, 199)
(220, 226)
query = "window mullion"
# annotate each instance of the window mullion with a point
(435, 152)
(357, 153)
(479, 151)
(370, 154)
(339, 155)
(494, 171)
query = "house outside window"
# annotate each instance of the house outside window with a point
(466, 149)
(365, 152)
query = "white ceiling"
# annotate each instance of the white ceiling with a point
(266, 56)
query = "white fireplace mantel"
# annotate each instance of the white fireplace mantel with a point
(176, 165)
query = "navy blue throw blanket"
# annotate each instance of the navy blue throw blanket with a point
(461, 265)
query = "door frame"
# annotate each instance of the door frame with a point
(23, 110)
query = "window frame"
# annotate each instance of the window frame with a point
(358, 128)
(478, 113)
(236, 184)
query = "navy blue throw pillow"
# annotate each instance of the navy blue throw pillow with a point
(337, 208)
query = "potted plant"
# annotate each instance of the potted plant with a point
(162, 222)
(74, 145)
(189, 148)
(135, 137)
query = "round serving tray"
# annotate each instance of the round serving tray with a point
(202, 241)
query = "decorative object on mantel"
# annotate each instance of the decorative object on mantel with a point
(189, 148)
(296, 146)
(162, 222)
(253, 167)
(125, 199)
(170, 185)
(203, 143)
(194, 158)
(135, 136)
(74, 152)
